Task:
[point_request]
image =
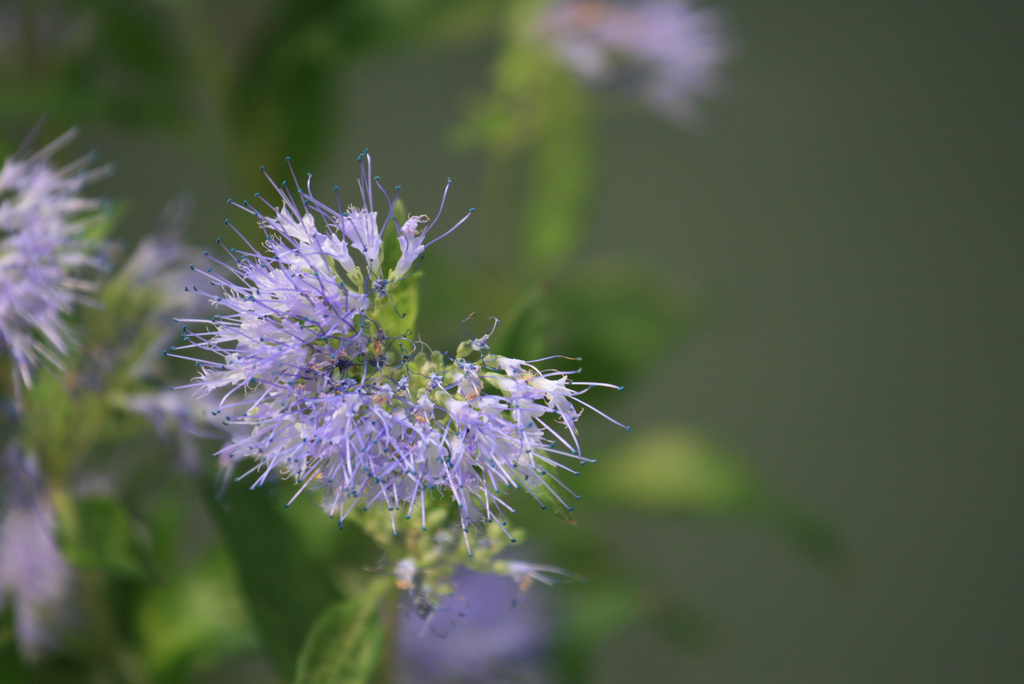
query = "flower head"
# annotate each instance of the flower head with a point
(665, 51)
(313, 359)
(43, 254)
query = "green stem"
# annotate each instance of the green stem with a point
(388, 605)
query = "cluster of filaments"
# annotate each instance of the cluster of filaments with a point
(318, 389)
(42, 254)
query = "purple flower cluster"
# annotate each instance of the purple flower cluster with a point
(43, 254)
(665, 51)
(313, 359)
(34, 577)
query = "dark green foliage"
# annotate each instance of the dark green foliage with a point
(285, 591)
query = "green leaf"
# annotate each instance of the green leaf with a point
(596, 614)
(63, 419)
(675, 470)
(614, 313)
(591, 616)
(346, 643)
(11, 667)
(98, 534)
(671, 469)
(561, 182)
(620, 314)
(526, 328)
(16, 670)
(284, 589)
(194, 617)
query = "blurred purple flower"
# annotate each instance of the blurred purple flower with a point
(180, 418)
(479, 634)
(34, 578)
(341, 403)
(43, 254)
(154, 273)
(666, 52)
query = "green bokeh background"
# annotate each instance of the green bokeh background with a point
(849, 213)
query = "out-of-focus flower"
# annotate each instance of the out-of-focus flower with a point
(666, 52)
(35, 580)
(147, 289)
(43, 255)
(315, 359)
(155, 265)
(154, 275)
(176, 416)
(475, 635)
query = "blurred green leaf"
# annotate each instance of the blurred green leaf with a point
(525, 329)
(284, 589)
(596, 613)
(561, 181)
(14, 670)
(112, 59)
(134, 32)
(11, 666)
(63, 418)
(670, 469)
(194, 617)
(281, 100)
(525, 90)
(600, 611)
(590, 616)
(619, 315)
(675, 470)
(616, 315)
(327, 544)
(98, 534)
(346, 643)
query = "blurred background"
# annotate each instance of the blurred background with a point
(813, 285)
